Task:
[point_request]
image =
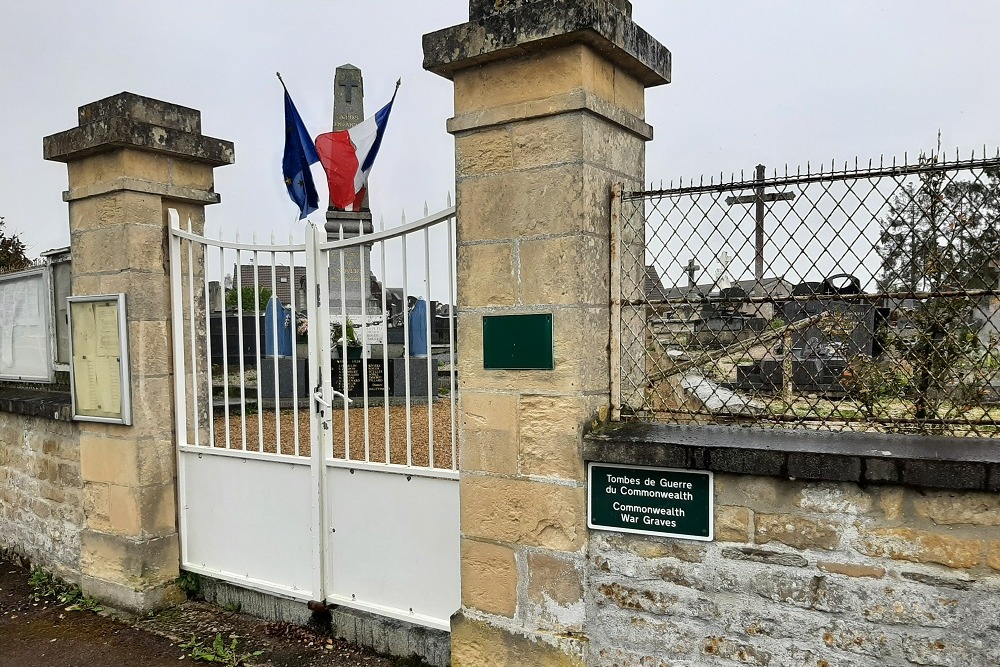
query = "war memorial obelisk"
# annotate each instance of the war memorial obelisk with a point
(353, 284)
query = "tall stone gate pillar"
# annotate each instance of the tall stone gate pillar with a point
(129, 160)
(549, 108)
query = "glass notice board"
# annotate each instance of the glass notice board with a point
(99, 368)
(25, 327)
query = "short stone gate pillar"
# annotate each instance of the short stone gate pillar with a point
(129, 160)
(549, 107)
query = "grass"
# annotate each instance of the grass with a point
(217, 652)
(47, 586)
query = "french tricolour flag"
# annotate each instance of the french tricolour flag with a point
(347, 157)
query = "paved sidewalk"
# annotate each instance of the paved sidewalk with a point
(45, 634)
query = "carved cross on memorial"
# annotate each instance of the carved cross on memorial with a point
(349, 87)
(348, 98)
(759, 198)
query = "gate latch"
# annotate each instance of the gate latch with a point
(319, 399)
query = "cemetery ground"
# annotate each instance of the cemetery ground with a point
(869, 396)
(266, 427)
(394, 435)
(37, 630)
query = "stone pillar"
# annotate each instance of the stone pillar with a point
(129, 160)
(549, 108)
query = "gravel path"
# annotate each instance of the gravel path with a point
(267, 424)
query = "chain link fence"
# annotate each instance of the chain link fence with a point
(861, 298)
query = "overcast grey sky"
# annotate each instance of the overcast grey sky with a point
(773, 82)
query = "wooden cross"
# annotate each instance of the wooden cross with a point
(759, 198)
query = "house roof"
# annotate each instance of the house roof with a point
(280, 285)
(653, 287)
(655, 291)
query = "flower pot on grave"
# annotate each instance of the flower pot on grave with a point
(354, 352)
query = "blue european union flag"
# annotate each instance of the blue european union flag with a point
(300, 152)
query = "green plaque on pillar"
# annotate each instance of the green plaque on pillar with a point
(651, 501)
(518, 342)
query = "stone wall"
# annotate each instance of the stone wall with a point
(41, 493)
(819, 573)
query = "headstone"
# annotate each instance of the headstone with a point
(350, 287)
(274, 378)
(821, 352)
(418, 329)
(215, 298)
(277, 329)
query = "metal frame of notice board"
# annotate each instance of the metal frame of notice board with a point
(103, 352)
(47, 320)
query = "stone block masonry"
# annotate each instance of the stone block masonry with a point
(129, 160)
(549, 108)
(805, 573)
(41, 492)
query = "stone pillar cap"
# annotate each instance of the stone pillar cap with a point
(128, 120)
(513, 28)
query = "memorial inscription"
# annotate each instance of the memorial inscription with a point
(355, 372)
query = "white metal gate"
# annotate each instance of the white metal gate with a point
(285, 484)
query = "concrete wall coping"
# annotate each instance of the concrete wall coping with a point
(531, 26)
(865, 458)
(55, 405)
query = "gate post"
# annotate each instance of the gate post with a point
(129, 160)
(549, 108)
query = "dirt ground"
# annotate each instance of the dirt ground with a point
(46, 634)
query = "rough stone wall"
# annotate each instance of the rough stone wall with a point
(817, 574)
(41, 494)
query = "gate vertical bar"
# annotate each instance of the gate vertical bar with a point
(239, 325)
(295, 346)
(385, 344)
(343, 348)
(225, 355)
(364, 343)
(431, 370)
(272, 304)
(452, 314)
(180, 375)
(318, 314)
(192, 311)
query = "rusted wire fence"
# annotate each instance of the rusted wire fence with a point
(859, 297)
